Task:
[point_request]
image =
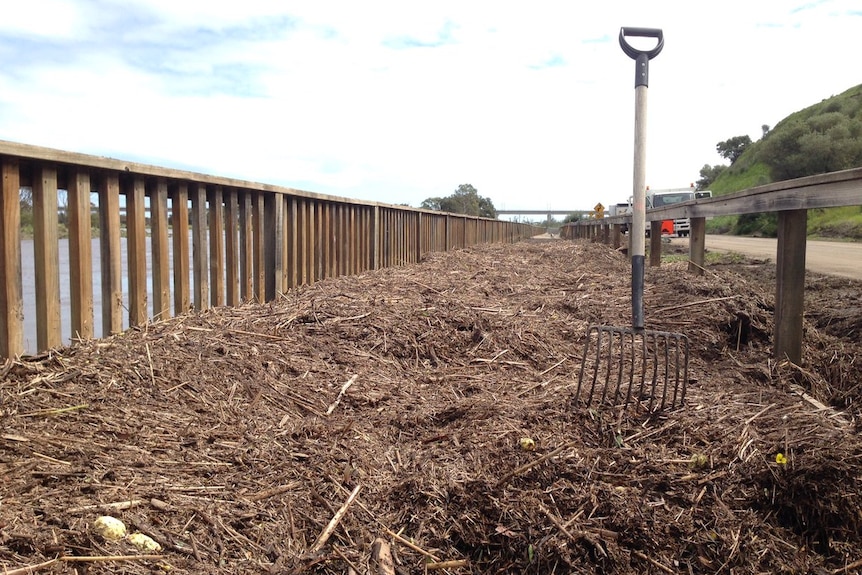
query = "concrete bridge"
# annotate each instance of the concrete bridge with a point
(548, 213)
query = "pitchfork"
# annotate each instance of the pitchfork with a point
(646, 366)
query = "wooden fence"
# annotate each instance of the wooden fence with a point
(212, 241)
(791, 199)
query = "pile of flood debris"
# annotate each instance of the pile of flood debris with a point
(423, 418)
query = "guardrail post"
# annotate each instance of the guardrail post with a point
(697, 246)
(47, 258)
(11, 298)
(655, 243)
(790, 284)
(617, 234)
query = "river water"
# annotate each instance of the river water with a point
(29, 289)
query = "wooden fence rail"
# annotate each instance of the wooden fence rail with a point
(791, 199)
(192, 240)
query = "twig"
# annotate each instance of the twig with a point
(391, 533)
(119, 505)
(49, 458)
(758, 414)
(381, 554)
(535, 386)
(453, 564)
(54, 411)
(31, 568)
(831, 413)
(409, 544)
(553, 366)
(351, 318)
(346, 559)
(575, 537)
(341, 393)
(847, 568)
(11, 437)
(425, 286)
(644, 434)
(267, 493)
(258, 334)
(492, 360)
(106, 558)
(150, 359)
(664, 568)
(691, 303)
(333, 523)
(532, 464)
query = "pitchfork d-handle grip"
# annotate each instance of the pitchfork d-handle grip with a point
(641, 57)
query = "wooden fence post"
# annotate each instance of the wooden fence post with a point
(159, 241)
(273, 230)
(11, 290)
(655, 243)
(179, 194)
(47, 256)
(200, 256)
(232, 246)
(110, 251)
(136, 245)
(790, 284)
(80, 254)
(217, 259)
(258, 242)
(246, 248)
(697, 246)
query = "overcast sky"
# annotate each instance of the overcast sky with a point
(531, 103)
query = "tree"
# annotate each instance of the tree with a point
(431, 204)
(708, 174)
(465, 200)
(820, 144)
(731, 149)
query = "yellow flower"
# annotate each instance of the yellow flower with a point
(780, 459)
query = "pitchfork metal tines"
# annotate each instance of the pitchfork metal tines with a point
(625, 366)
(643, 366)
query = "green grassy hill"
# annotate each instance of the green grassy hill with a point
(825, 137)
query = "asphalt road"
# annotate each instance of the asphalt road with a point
(834, 258)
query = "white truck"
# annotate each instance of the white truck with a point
(621, 209)
(657, 198)
(680, 227)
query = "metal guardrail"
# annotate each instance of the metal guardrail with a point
(790, 199)
(249, 241)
